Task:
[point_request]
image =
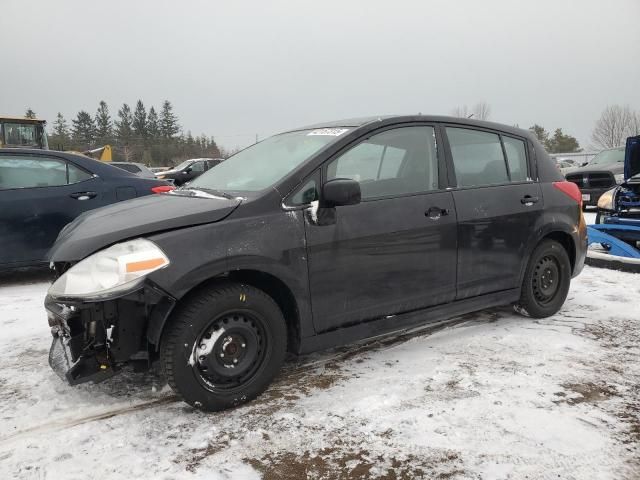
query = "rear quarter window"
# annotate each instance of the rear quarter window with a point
(517, 158)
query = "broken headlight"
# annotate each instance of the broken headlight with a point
(110, 271)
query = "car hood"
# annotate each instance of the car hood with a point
(632, 157)
(614, 168)
(105, 226)
(167, 172)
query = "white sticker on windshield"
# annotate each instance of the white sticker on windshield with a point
(333, 132)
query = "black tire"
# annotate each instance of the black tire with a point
(546, 280)
(241, 328)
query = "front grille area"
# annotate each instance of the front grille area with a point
(592, 180)
(577, 179)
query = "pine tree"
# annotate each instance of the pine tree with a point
(153, 127)
(213, 149)
(83, 130)
(169, 126)
(124, 129)
(540, 133)
(60, 127)
(562, 143)
(104, 125)
(60, 134)
(139, 123)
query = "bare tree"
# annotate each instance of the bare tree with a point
(461, 112)
(615, 124)
(480, 111)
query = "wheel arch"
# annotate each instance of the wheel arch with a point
(560, 235)
(272, 285)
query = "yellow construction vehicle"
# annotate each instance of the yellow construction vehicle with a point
(17, 132)
(103, 153)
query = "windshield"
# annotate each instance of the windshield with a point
(183, 165)
(263, 164)
(608, 156)
(20, 134)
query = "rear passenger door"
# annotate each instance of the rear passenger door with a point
(40, 194)
(497, 203)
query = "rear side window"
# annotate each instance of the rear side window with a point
(517, 158)
(29, 172)
(129, 167)
(477, 157)
(395, 162)
(76, 174)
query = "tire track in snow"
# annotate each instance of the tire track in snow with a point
(72, 422)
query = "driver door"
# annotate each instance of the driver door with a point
(396, 250)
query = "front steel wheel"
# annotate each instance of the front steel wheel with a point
(223, 346)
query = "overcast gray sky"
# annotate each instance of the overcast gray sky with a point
(234, 69)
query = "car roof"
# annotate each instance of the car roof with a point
(390, 119)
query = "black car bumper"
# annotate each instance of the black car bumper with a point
(93, 340)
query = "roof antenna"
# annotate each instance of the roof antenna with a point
(471, 115)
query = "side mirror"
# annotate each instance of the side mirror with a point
(340, 191)
(187, 170)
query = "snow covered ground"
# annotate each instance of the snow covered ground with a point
(488, 395)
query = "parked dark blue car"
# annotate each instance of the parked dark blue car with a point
(43, 190)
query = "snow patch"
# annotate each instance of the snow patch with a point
(205, 346)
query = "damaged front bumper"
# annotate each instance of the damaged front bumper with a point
(93, 340)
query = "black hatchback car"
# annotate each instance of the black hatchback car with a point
(43, 190)
(313, 238)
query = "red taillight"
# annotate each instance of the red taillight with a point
(162, 189)
(570, 189)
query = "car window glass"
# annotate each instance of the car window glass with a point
(25, 172)
(197, 167)
(77, 174)
(477, 157)
(129, 167)
(395, 162)
(307, 194)
(517, 158)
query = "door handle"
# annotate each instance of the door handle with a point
(528, 200)
(83, 195)
(434, 213)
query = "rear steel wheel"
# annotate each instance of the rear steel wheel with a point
(546, 280)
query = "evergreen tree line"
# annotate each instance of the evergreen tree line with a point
(149, 137)
(558, 142)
